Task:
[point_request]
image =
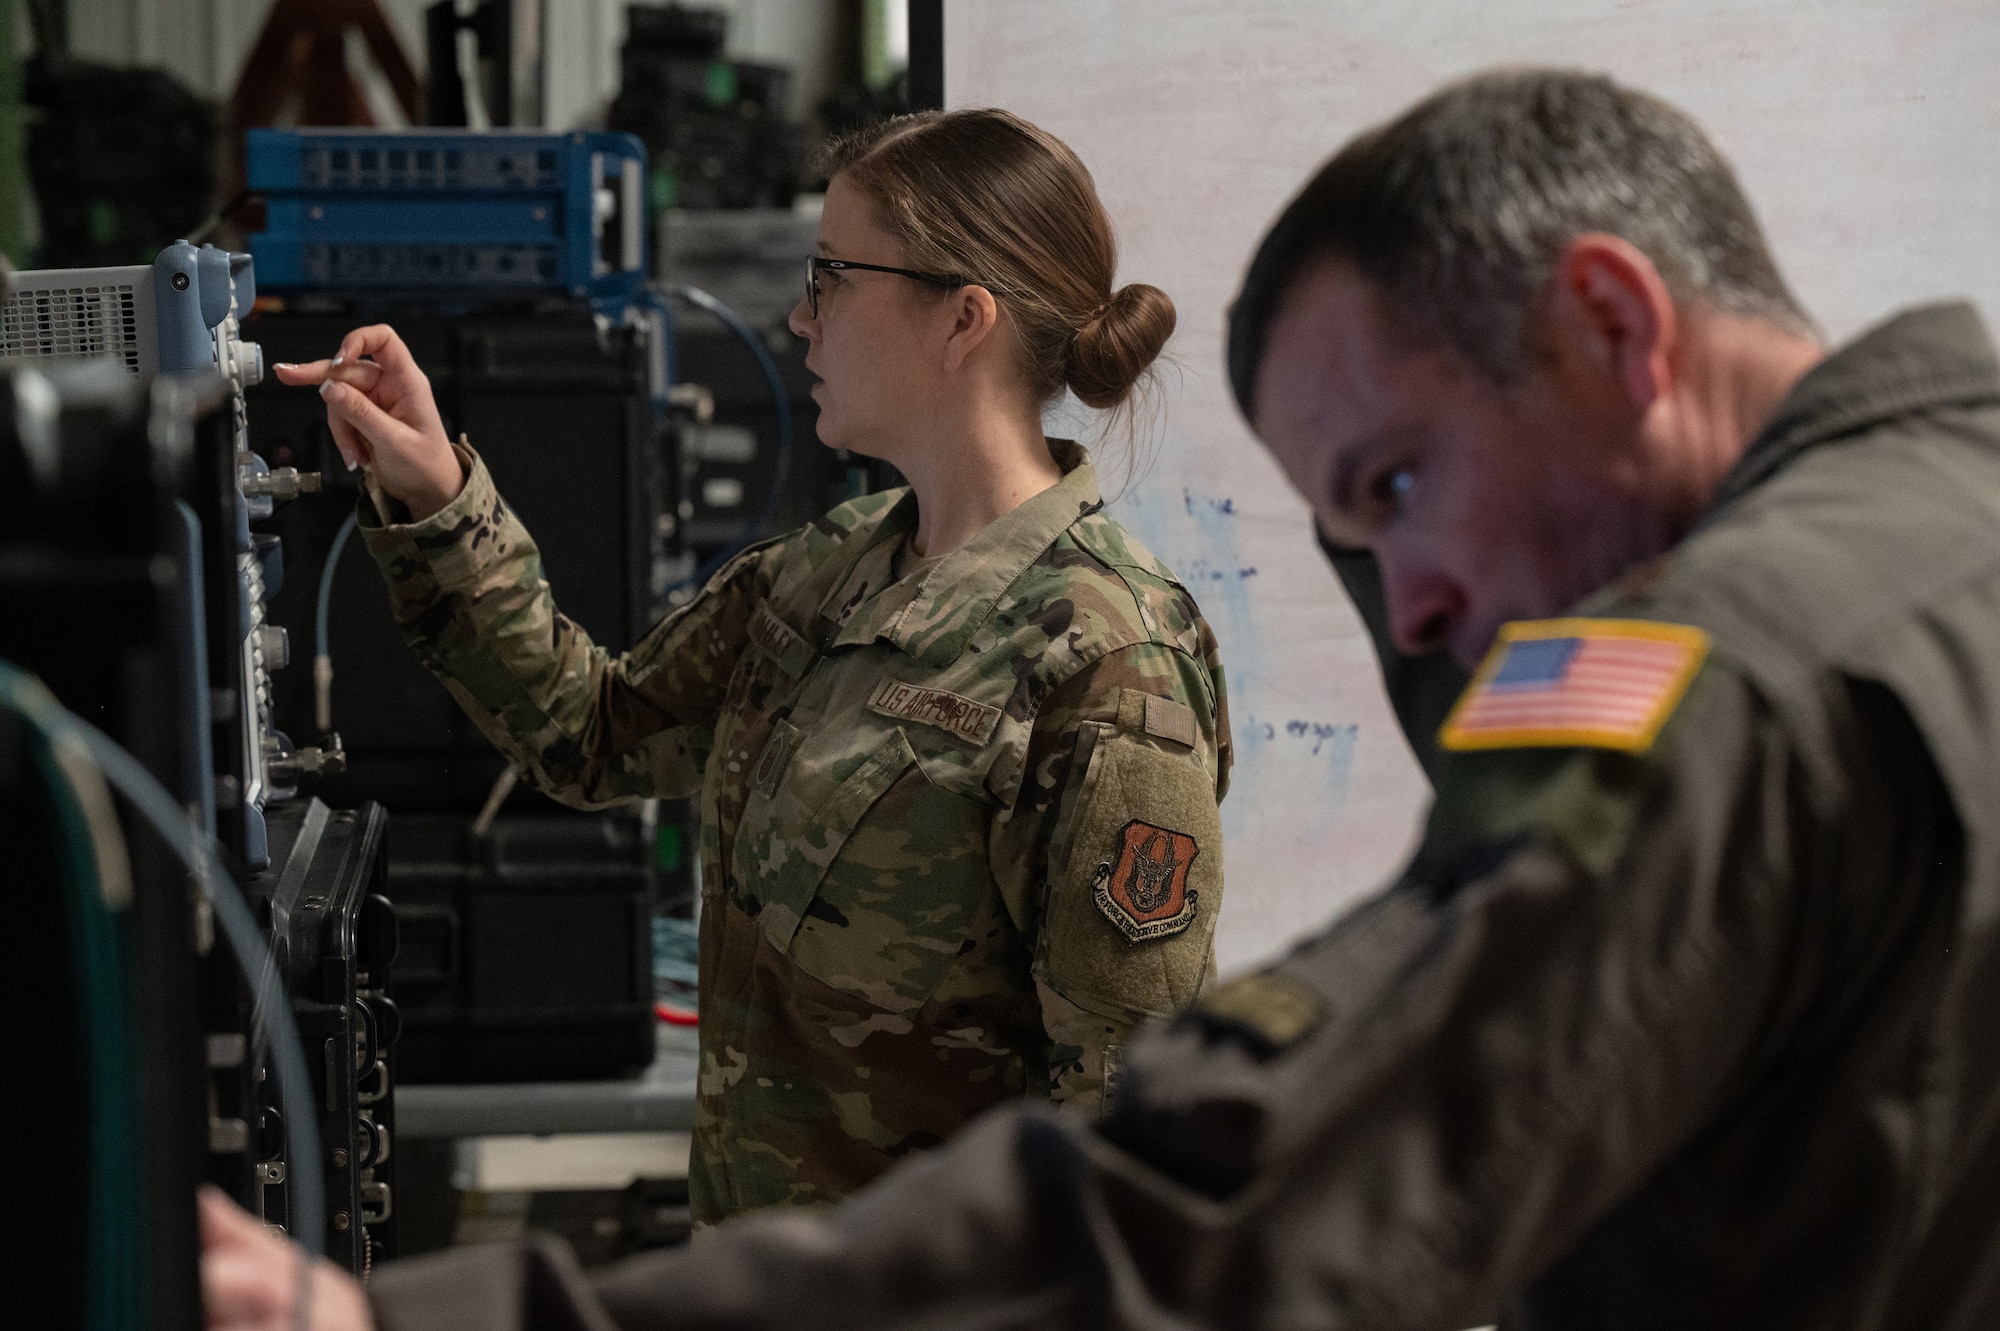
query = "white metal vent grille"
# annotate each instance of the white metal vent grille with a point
(73, 321)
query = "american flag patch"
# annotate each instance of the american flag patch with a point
(1599, 683)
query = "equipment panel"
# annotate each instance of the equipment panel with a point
(442, 213)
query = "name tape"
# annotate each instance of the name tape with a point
(962, 717)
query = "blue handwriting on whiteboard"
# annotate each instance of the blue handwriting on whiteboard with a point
(1319, 732)
(1222, 505)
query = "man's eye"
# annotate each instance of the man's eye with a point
(1393, 487)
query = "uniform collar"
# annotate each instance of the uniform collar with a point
(1925, 359)
(932, 617)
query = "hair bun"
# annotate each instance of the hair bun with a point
(1114, 350)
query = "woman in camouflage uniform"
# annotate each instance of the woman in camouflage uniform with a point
(959, 745)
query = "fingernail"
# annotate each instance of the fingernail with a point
(338, 359)
(351, 463)
(286, 365)
(326, 388)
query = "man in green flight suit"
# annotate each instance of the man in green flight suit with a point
(1683, 1013)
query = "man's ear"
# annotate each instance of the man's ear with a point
(975, 314)
(1610, 292)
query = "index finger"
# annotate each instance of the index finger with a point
(381, 342)
(306, 374)
(363, 374)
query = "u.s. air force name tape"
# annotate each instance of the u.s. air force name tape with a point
(962, 717)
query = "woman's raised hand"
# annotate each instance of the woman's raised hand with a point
(380, 409)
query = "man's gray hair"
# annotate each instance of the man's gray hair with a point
(1459, 209)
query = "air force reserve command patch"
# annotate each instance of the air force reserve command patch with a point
(1591, 683)
(1143, 888)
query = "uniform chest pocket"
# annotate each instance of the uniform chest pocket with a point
(875, 891)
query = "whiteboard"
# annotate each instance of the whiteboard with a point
(1864, 131)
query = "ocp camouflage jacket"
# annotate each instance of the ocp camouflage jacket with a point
(959, 829)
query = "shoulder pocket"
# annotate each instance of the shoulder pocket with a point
(1135, 877)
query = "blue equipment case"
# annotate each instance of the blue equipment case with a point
(451, 213)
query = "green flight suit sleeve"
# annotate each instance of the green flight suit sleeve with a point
(1408, 1119)
(590, 729)
(1131, 749)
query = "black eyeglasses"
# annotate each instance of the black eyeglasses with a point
(814, 262)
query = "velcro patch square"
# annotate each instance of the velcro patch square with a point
(1143, 888)
(1592, 683)
(1170, 720)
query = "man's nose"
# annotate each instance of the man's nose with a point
(1423, 605)
(800, 320)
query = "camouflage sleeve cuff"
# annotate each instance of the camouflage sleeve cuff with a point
(454, 545)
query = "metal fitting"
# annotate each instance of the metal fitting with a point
(280, 483)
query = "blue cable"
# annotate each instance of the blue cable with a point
(322, 656)
(736, 324)
(326, 583)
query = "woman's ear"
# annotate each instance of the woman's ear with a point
(974, 316)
